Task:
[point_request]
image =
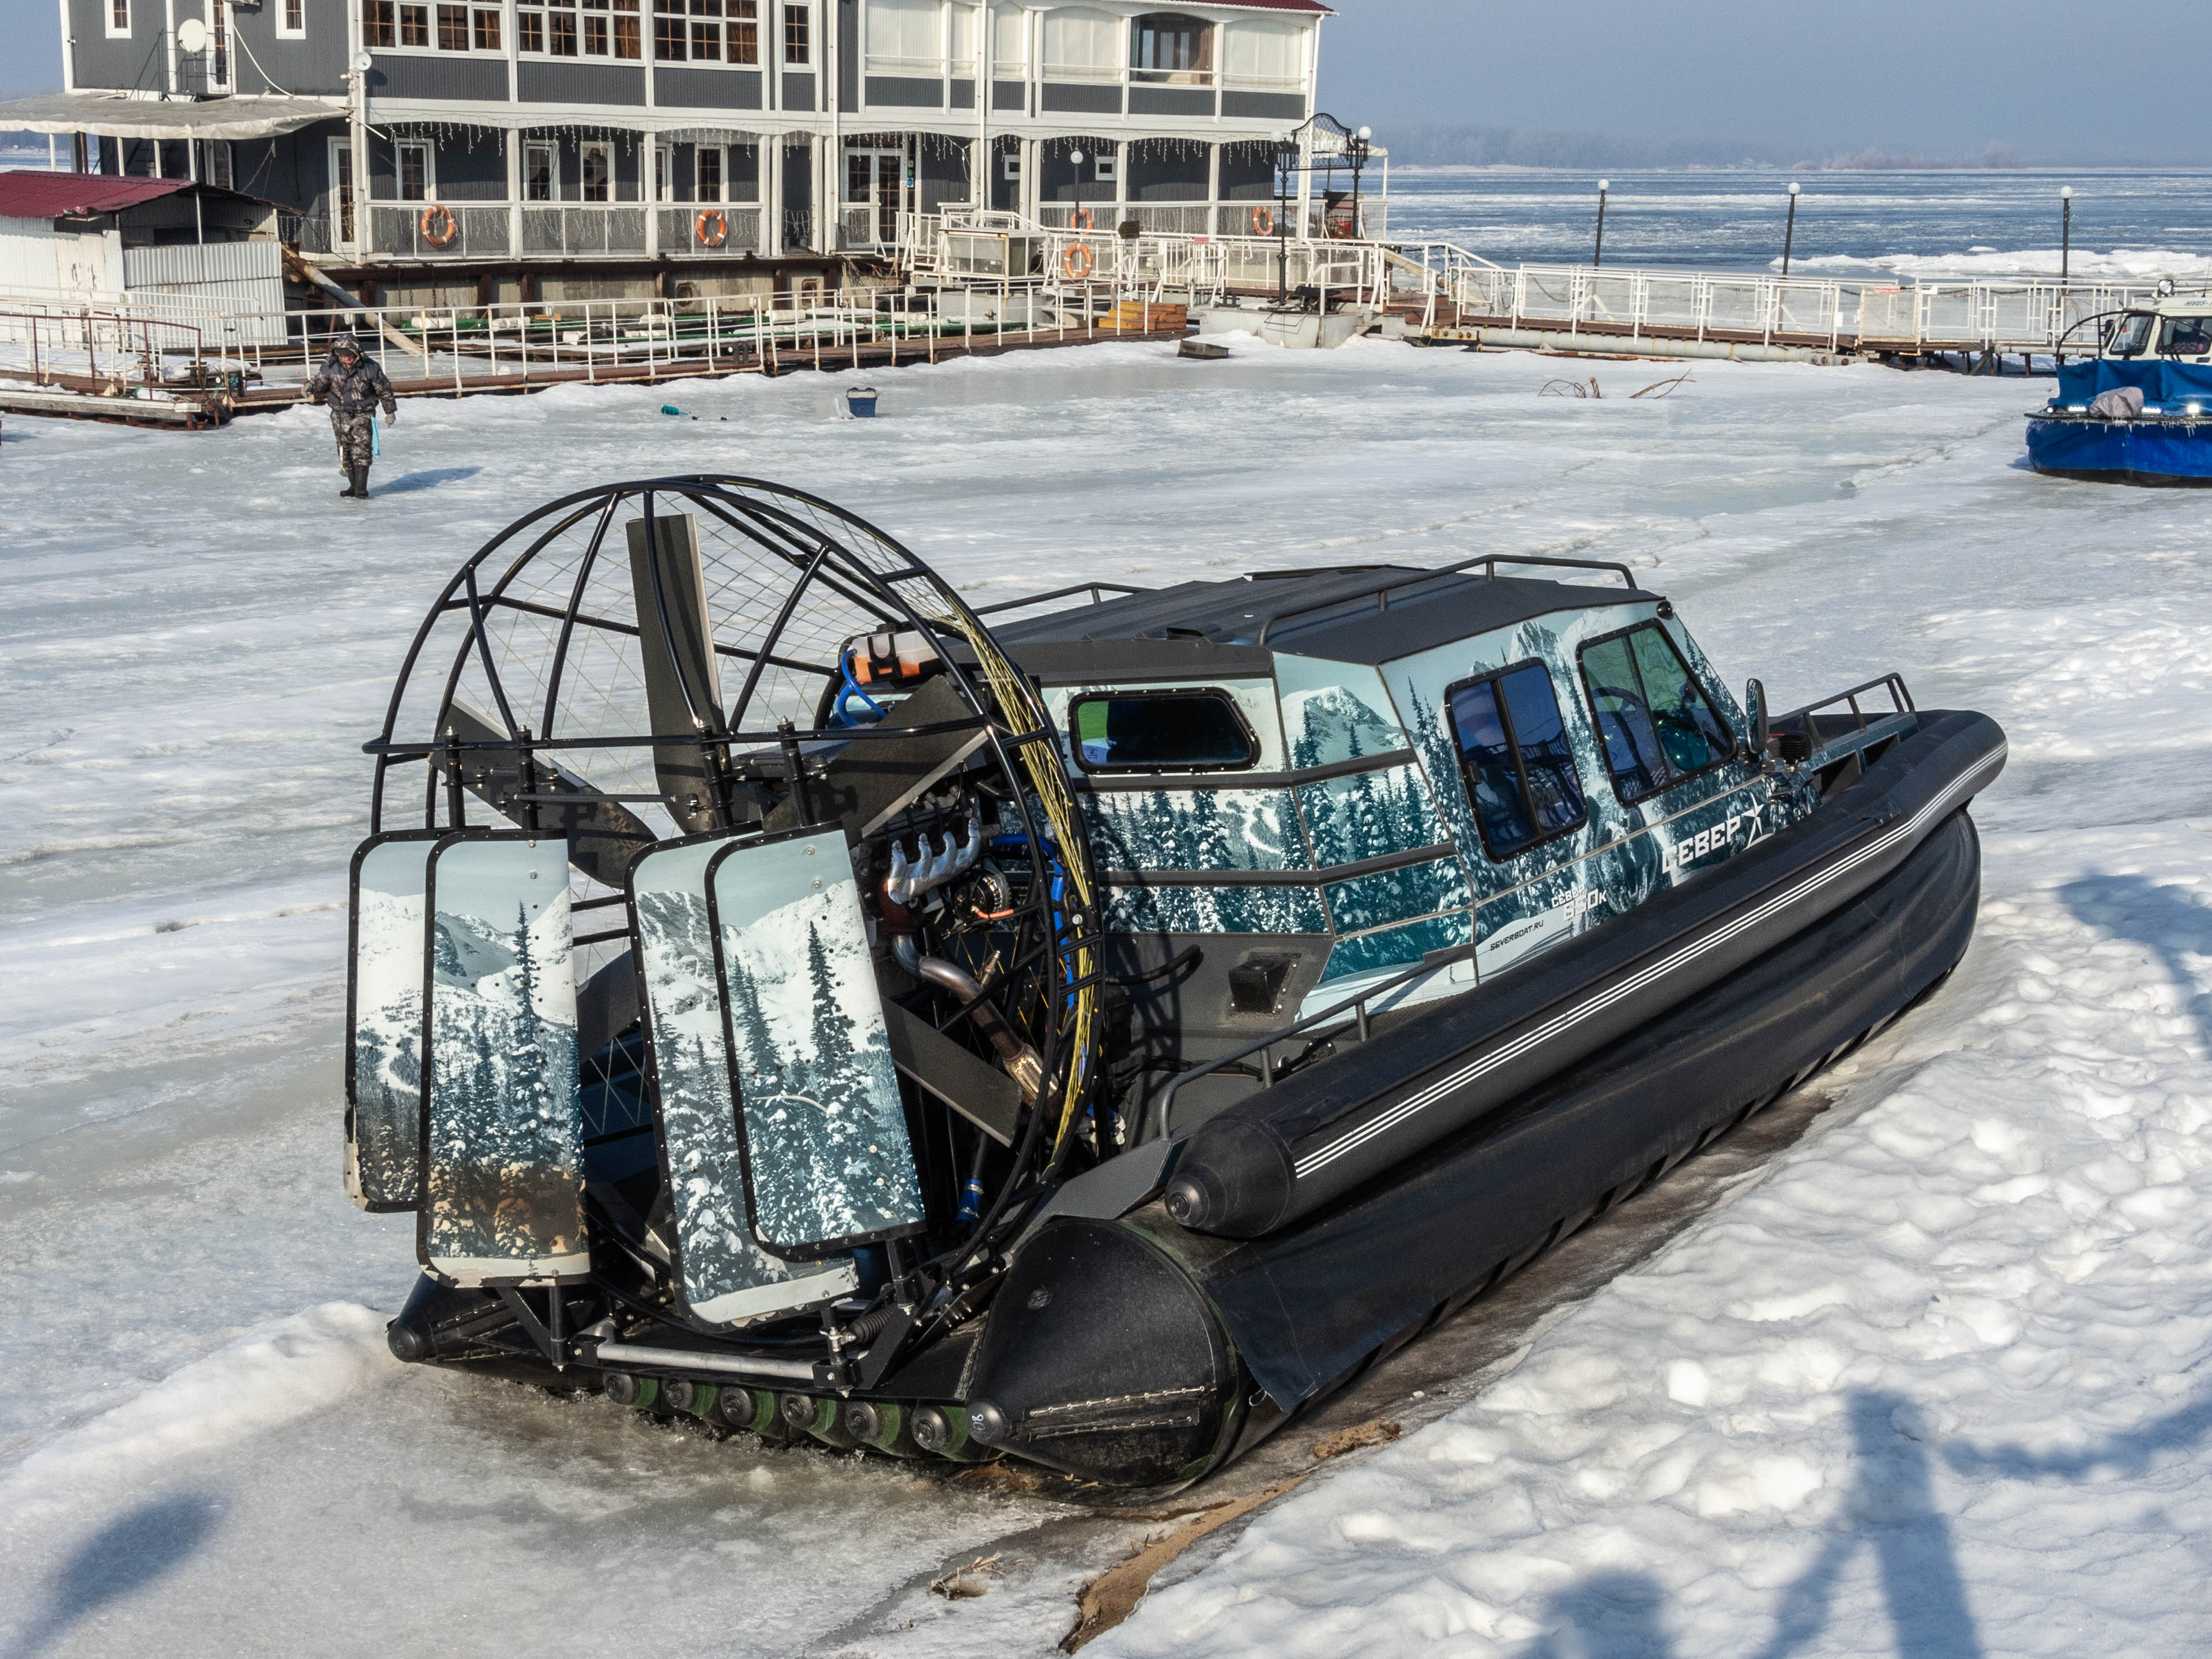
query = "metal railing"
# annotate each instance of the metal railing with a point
(432, 231)
(959, 245)
(125, 354)
(1454, 285)
(511, 346)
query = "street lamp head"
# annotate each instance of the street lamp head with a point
(1793, 187)
(1076, 157)
(2065, 192)
(1364, 134)
(1603, 185)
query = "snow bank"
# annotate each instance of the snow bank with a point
(275, 1373)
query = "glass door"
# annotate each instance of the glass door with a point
(871, 194)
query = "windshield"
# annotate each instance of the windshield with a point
(2130, 334)
(2186, 337)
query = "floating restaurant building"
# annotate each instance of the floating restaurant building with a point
(586, 149)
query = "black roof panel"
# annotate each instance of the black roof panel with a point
(1334, 613)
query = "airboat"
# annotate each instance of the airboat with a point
(1088, 1028)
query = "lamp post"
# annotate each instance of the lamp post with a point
(1075, 161)
(1597, 253)
(1286, 154)
(1789, 231)
(2065, 230)
(1358, 149)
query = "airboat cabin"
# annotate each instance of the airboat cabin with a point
(592, 148)
(1323, 779)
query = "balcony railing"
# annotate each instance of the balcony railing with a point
(433, 231)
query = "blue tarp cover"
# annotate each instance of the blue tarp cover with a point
(2161, 381)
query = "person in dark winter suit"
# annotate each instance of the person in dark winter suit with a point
(353, 385)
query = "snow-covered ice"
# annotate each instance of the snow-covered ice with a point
(1928, 1387)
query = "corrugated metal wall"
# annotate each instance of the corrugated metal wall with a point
(245, 279)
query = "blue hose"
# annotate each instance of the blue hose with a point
(853, 689)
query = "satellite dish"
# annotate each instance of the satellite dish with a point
(362, 63)
(191, 35)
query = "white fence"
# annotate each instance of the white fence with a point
(965, 247)
(1868, 313)
(513, 347)
(1440, 286)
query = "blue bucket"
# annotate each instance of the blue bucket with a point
(860, 402)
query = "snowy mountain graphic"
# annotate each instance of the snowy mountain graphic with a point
(1333, 724)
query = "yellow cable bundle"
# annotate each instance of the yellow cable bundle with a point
(1019, 701)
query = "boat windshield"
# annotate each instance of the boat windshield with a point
(2130, 334)
(2185, 337)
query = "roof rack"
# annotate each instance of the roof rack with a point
(1093, 589)
(1489, 561)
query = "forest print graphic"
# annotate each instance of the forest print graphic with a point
(1194, 829)
(726, 1275)
(385, 1133)
(1214, 910)
(502, 1125)
(824, 1126)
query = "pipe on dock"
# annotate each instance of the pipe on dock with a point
(1559, 342)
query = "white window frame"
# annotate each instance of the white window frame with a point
(552, 152)
(1114, 71)
(1002, 68)
(875, 61)
(344, 147)
(221, 25)
(513, 24)
(508, 26)
(107, 18)
(1011, 169)
(399, 147)
(614, 184)
(812, 61)
(1225, 47)
(285, 31)
(1108, 168)
(212, 151)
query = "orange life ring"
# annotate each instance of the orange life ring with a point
(720, 234)
(1081, 218)
(1263, 221)
(1076, 263)
(438, 225)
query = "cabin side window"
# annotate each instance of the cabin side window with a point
(2186, 337)
(1198, 730)
(1514, 754)
(2130, 334)
(1654, 721)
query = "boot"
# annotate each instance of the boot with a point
(359, 477)
(346, 471)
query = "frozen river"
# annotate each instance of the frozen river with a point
(203, 1447)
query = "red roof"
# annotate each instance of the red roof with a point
(39, 195)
